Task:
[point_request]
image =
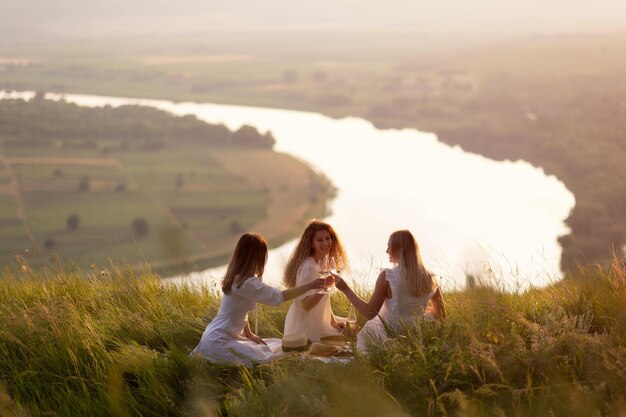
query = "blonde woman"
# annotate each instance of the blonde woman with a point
(311, 313)
(401, 294)
(228, 338)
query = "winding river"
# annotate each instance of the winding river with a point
(499, 221)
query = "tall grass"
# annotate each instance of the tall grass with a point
(116, 343)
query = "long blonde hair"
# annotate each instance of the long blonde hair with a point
(248, 261)
(304, 249)
(405, 250)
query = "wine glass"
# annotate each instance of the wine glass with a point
(351, 320)
(339, 264)
(325, 265)
(332, 265)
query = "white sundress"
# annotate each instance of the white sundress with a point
(223, 340)
(314, 323)
(401, 307)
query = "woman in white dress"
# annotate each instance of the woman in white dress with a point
(310, 314)
(401, 295)
(228, 338)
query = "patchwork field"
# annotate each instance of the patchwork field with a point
(177, 208)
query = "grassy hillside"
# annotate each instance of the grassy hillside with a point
(116, 343)
(195, 186)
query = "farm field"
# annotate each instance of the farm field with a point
(193, 201)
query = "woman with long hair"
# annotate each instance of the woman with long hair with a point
(311, 313)
(228, 338)
(401, 294)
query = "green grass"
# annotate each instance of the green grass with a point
(116, 343)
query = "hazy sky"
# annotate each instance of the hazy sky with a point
(85, 17)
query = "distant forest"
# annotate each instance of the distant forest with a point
(41, 122)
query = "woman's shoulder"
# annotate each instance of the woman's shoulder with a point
(251, 282)
(307, 270)
(307, 263)
(391, 274)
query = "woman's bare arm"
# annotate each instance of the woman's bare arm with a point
(248, 333)
(311, 301)
(316, 284)
(438, 309)
(368, 308)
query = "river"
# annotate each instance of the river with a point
(471, 215)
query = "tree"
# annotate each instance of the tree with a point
(140, 227)
(73, 221)
(320, 76)
(235, 227)
(179, 182)
(85, 183)
(39, 96)
(290, 76)
(249, 136)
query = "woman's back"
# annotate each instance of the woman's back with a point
(403, 304)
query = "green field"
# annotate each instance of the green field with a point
(196, 199)
(200, 219)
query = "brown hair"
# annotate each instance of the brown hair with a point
(304, 249)
(248, 260)
(405, 250)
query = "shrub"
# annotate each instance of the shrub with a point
(235, 227)
(73, 221)
(85, 183)
(140, 227)
(179, 181)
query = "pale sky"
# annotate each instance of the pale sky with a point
(84, 17)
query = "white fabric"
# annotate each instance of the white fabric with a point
(223, 340)
(314, 323)
(401, 307)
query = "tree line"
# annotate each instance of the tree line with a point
(40, 122)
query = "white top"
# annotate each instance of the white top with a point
(401, 307)
(223, 340)
(314, 323)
